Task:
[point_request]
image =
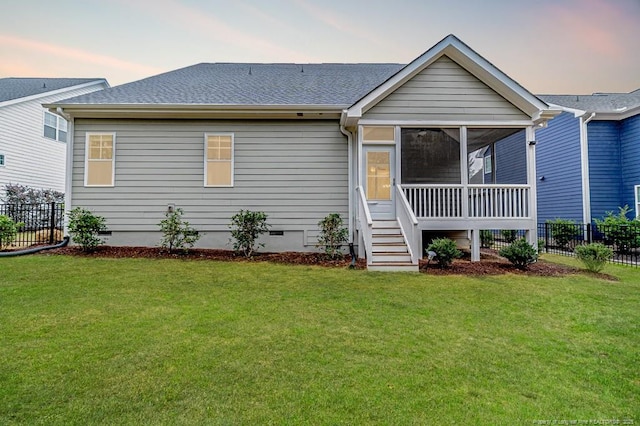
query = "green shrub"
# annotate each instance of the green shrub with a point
(8, 231)
(520, 253)
(594, 256)
(509, 235)
(333, 235)
(486, 238)
(246, 228)
(619, 230)
(177, 234)
(541, 245)
(563, 231)
(85, 227)
(445, 250)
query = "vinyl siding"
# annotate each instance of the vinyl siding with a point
(630, 146)
(558, 161)
(31, 159)
(444, 91)
(604, 167)
(295, 171)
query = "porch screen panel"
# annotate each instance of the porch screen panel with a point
(430, 156)
(378, 175)
(497, 156)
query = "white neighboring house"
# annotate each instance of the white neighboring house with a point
(32, 139)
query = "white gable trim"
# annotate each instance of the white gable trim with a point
(468, 59)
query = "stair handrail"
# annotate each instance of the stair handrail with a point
(408, 224)
(366, 223)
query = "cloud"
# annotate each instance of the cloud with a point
(75, 54)
(592, 25)
(351, 28)
(211, 27)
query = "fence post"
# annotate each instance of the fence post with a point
(546, 237)
(52, 224)
(589, 234)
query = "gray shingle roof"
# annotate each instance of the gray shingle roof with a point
(15, 88)
(248, 84)
(598, 102)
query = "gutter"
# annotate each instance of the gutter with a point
(584, 164)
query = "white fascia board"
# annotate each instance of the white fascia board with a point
(617, 115)
(468, 59)
(446, 123)
(197, 110)
(576, 112)
(55, 92)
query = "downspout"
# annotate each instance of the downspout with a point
(349, 136)
(584, 163)
(69, 166)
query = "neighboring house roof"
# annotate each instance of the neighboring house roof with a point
(607, 105)
(248, 84)
(16, 88)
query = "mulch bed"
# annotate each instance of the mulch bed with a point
(490, 264)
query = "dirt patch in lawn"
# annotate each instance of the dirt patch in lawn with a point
(490, 264)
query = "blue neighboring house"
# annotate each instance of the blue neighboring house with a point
(588, 157)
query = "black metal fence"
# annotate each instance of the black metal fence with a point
(38, 223)
(499, 238)
(562, 238)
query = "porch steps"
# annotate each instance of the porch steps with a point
(389, 249)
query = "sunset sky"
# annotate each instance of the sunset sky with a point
(548, 46)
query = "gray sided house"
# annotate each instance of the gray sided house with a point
(441, 145)
(588, 158)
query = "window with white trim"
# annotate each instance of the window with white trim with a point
(637, 191)
(55, 127)
(1, 160)
(218, 159)
(100, 159)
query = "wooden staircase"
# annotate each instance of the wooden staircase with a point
(389, 248)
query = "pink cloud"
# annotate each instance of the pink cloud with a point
(211, 27)
(76, 54)
(591, 25)
(350, 27)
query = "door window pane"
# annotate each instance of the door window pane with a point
(378, 175)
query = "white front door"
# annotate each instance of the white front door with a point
(379, 179)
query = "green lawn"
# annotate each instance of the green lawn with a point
(121, 341)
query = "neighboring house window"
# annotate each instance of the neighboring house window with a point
(1, 160)
(100, 159)
(637, 188)
(218, 163)
(55, 127)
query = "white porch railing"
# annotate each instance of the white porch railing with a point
(443, 201)
(505, 201)
(408, 224)
(481, 201)
(366, 222)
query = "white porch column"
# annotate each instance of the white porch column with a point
(532, 232)
(475, 245)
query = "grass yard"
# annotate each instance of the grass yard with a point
(138, 341)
